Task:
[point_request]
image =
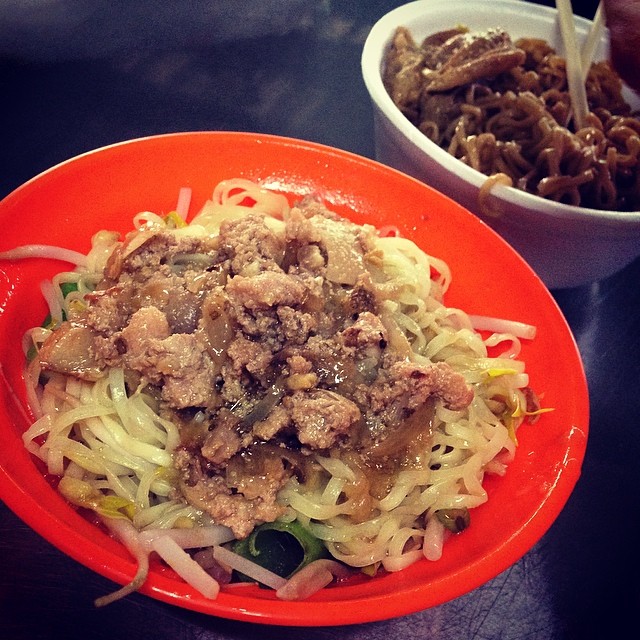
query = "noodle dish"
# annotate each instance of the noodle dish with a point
(252, 389)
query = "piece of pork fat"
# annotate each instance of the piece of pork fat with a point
(321, 417)
(345, 246)
(266, 289)
(165, 272)
(69, 350)
(250, 246)
(225, 439)
(467, 57)
(434, 47)
(401, 77)
(326, 244)
(179, 362)
(404, 386)
(240, 502)
(143, 252)
(401, 404)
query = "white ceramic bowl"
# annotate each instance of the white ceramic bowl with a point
(566, 245)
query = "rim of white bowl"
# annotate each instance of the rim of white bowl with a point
(371, 64)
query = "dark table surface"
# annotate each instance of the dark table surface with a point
(76, 75)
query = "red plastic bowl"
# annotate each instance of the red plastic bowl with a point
(105, 188)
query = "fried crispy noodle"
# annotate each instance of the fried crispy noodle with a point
(506, 111)
(270, 362)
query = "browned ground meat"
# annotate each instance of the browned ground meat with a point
(264, 351)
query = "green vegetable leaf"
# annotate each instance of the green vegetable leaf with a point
(68, 287)
(456, 520)
(281, 547)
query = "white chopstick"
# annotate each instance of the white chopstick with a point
(592, 40)
(577, 89)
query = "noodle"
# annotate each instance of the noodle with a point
(117, 447)
(517, 125)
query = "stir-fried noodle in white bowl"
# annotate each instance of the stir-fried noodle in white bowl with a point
(567, 245)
